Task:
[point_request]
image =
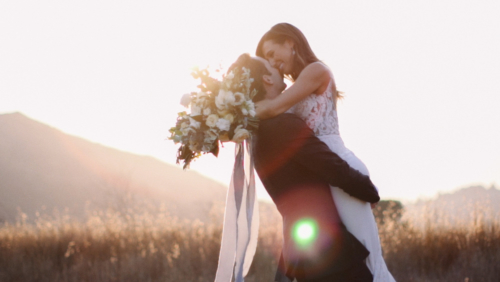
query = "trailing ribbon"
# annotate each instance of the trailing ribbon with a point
(241, 219)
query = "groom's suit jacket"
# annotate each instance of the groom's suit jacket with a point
(296, 169)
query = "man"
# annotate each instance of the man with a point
(296, 169)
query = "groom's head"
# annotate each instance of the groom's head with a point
(267, 80)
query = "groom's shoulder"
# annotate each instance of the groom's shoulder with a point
(280, 120)
(282, 126)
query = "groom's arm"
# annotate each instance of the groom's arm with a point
(289, 138)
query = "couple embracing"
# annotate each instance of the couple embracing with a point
(321, 189)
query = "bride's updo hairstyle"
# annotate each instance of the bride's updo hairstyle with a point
(303, 52)
(257, 71)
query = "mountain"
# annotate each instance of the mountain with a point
(42, 169)
(469, 205)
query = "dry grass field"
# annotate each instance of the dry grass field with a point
(131, 246)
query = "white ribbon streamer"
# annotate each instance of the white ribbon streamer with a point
(241, 219)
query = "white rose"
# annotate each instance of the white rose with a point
(223, 124)
(244, 111)
(229, 98)
(206, 111)
(230, 75)
(195, 110)
(240, 135)
(212, 120)
(219, 100)
(238, 98)
(194, 124)
(229, 117)
(186, 100)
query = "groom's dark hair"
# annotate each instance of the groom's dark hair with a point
(257, 70)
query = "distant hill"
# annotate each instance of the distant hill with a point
(42, 168)
(463, 207)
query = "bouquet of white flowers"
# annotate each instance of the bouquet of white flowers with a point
(220, 111)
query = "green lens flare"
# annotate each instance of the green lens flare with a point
(305, 232)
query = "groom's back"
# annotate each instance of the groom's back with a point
(300, 193)
(274, 157)
(293, 187)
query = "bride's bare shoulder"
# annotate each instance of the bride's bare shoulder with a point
(317, 69)
(318, 72)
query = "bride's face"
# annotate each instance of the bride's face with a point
(279, 56)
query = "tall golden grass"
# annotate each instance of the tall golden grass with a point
(131, 246)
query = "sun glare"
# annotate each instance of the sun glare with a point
(305, 232)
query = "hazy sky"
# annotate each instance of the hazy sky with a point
(421, 78)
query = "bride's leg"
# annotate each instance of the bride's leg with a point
(358, 218)
(357, 215)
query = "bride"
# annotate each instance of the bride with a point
(313, 97)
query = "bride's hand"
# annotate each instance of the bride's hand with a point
(263, 109)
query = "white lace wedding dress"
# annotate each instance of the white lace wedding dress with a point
(320, 114)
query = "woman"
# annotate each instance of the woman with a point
(313, 97)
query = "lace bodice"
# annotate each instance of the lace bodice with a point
(319, 112)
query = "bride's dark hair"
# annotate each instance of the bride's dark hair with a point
(303, 52)
(304, 55)
(257, 70)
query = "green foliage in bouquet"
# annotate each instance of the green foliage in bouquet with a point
(220, 111)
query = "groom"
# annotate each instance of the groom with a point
(297, 170)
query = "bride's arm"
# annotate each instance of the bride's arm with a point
(309, 81)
